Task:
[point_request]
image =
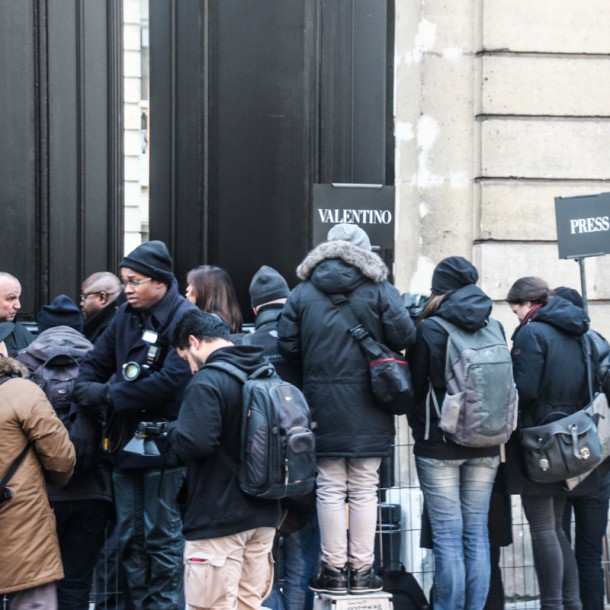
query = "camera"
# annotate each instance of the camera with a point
(133, 370)
(414, 304)
(145, 436)
(5, 495)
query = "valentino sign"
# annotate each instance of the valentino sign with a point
(371, 206)
(583, 225)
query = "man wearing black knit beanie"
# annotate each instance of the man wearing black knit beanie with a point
(131, 375)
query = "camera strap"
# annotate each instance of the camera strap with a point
(17, 462)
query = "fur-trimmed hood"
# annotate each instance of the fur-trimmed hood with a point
(367, 263)
(10, 366)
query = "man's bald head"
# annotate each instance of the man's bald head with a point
(97, 291)
(10, 293)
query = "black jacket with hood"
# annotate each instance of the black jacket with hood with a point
(210, 417)
(336, 379)
(550, 374)
(468, 308)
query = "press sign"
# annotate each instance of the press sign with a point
(583, 225)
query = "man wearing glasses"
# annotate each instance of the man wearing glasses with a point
(100, 298)
(132, 374)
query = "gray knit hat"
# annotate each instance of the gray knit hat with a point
(152, 259)
(267, 285)
(351, 233)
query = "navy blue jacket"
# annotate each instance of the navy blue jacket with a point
(152, 397)
(210, 417)
(550, 374)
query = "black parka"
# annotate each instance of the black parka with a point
(336, 380)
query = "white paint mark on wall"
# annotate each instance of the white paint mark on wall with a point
(424, 41)
(424, 210)
(452, 53)
(422, 278)
(459, 181)
(404, 132)
(427, 133)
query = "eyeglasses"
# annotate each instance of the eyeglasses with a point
(84, 297)
(135, 283)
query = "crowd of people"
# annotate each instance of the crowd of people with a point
(187, 535)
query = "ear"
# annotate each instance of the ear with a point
(103, 296)
(194, 342)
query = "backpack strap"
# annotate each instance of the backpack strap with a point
(431, 393)
(266, 370)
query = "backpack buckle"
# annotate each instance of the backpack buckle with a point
(359, 332)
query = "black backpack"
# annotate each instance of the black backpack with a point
(406, 592)
(56, 378)
(278, 449)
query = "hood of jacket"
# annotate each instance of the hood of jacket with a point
(59, 340)
(564, 315)
(339, 266)
(468, 307)
(248, 358)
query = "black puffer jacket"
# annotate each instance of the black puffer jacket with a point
(210, 417)
(335, 372)
(469, 308)
(550, 373)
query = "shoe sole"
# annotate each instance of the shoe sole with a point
(329, 591)
(369, 590)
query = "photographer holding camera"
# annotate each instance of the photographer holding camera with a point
(132, 374)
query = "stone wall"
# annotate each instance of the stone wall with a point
(501, 106)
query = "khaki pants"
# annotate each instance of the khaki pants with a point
(230, 572)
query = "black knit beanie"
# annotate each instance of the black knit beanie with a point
(267, 285)
(151, 259)
(452, 273)
(62, 311)
(569, 294)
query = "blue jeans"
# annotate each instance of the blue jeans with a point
(457, 496)
(149, 529)
(80, 529)
(301, 551)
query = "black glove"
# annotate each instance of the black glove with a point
(86, 436)
(92, 394)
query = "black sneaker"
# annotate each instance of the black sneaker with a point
(364, 580)
(330, 580)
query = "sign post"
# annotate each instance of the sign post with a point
(583, 230)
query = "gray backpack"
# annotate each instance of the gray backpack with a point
(480, 405)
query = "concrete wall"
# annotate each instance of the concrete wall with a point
(501, 106)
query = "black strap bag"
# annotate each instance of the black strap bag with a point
(565, 447)
(390, 374)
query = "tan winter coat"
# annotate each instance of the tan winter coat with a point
(29, 550)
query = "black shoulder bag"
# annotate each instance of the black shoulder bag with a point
(390, 374)
(6, 493)
(568, 447)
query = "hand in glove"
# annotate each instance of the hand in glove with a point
(86, 436)
(92, 394)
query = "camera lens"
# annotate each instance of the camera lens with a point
(131, 371)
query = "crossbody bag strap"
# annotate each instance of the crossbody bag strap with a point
(359, 333)
(17, 462)
(586, 348)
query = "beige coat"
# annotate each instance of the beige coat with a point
(29, 550)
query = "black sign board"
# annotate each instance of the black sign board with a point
(370, 206)
(583, 225)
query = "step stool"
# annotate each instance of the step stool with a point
(367, 601)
